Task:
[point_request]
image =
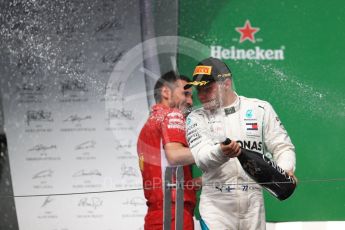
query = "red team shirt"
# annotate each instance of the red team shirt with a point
(165, 125)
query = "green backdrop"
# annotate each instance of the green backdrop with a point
(306, 86)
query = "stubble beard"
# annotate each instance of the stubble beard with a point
(211, 105)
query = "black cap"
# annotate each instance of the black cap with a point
(209, 70)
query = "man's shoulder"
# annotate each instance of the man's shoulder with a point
(254, 102)
(160, 112)
(199, 112)
(174, 112)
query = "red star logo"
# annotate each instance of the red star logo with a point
(247, 32)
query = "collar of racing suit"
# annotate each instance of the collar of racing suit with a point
(235, 106)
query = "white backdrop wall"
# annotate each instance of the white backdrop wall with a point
(72, 112)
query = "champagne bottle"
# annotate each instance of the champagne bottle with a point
(266, 173)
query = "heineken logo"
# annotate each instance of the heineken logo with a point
(235, 52)
(247, 32)
(256, 53)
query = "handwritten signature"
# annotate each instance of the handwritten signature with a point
(41, 147)
(43, 174)
(93, 202)
(31, 87)
(73, 85)
(128, 171)
(111, 56)
(47, 201)
(39, 115)
(124, 146)
(84, 172)
(86, 145)
(109, 25)
(76, 118)
(135, 201)
(120, 113)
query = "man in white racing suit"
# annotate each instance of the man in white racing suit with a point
(230, 199)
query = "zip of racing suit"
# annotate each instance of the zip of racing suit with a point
(229, 198)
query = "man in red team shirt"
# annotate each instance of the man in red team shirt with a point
(162, 143)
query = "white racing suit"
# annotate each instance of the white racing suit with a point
(229, 198)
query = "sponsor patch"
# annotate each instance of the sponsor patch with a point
(188, 121)
(176, 126)
(251, 145)
(252, 126)
(176, 122)
(175, 114)
(249, 113)
(230, 110)
(202, 69)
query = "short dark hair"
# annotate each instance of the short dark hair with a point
(168, 79)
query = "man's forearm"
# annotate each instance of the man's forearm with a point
(177, 154)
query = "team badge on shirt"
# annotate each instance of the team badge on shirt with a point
(249, 113)
(252, 126)
(176, 121)
(141, 162)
